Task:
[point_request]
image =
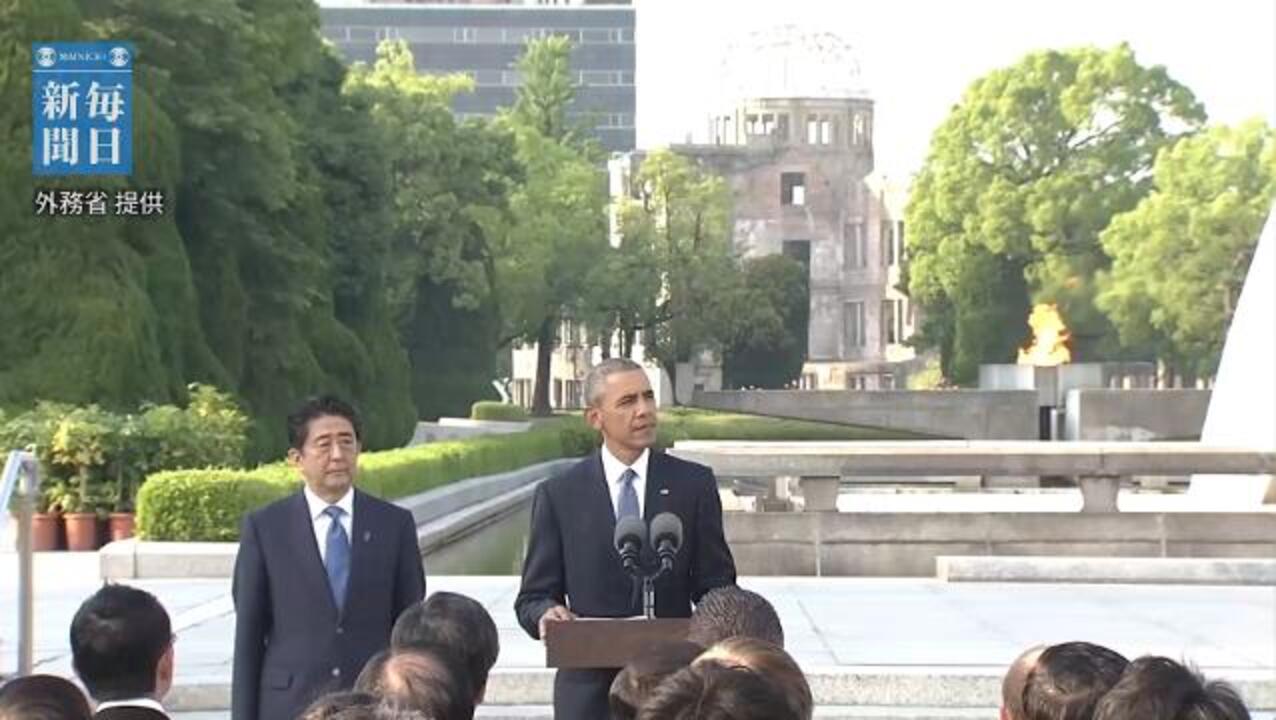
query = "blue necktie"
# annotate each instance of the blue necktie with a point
(337, 556)
(628, 505)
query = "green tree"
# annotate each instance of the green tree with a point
(558, 232)
(681, 227)
(770, 346)
(1179, 258)
(1021, 177)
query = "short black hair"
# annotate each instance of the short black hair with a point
(430, 682)
(43, 697)
(731, 611)
(457, 624)
(117, 639)
(1068, 680)
(712, 691)
(317, 407)
(1158, 688)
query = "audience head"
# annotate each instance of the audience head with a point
(122, 644)
(42, 697)
(713, 691)
(1157, 688)
(1068, 679)
(429, 681)
(636, 681)
(769, 661)
(1013, 683)
(332, 705)
(730, 611)
(456, 624)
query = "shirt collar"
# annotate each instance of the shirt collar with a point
(145, 702)
(613, 468)
(317, 504)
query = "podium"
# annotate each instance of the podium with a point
(607, 642)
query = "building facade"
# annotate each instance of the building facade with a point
(484, 41)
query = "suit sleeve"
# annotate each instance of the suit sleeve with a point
(250, 591)
(713, 565)
(543, 582)
(409, 584)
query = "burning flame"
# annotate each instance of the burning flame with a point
(1049, 338)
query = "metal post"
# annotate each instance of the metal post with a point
(22, 467)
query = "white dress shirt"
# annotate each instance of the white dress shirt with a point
(613, 469)
(321, 521)
(133, 702)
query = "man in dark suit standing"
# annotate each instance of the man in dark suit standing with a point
(320, 576)
(122, 649)
(572, 568)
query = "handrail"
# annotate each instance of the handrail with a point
(22, 466)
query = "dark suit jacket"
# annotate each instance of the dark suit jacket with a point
(291, 645)
(129, 712)
(571, 559)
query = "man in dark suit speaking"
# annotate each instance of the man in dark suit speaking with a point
(320, 576)
(572, 568)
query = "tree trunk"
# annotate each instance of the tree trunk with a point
(672, 369)
(544, 354)
(627, 343)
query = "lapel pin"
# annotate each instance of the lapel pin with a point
(367, 535)
(664, 491)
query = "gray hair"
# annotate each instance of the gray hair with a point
(597, 376)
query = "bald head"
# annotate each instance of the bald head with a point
(1013, 684)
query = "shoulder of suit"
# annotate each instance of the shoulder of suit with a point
(679, 466)
(368, 501)
(280, 506)
(573, 474)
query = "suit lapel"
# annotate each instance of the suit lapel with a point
(361, 542)
(303, 537)
(653, 501)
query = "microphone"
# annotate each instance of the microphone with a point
(631, 535)
(666, 538)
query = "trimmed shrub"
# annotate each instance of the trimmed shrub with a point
(193, 505)
(492, 410)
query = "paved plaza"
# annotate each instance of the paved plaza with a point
(866, 642)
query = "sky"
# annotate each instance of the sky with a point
(918, 56)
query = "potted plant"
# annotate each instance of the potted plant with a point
(46, 522)
(80, 515)
(78, 449)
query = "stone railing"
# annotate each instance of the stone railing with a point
(1098, 467)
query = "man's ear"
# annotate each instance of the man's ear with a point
(593, 416)
(294, 457)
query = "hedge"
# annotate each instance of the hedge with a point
(492, 410)
(208, 504)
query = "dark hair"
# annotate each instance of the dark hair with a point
(1157, 688)
(1068, 680)
(117, 639)
(457, 624)
(636, 680)
(330, 705)
(317, 407)
(429, 681)
(729, 611)
(771, 662)
(1012, 684)
(712, 691)
(43, 697)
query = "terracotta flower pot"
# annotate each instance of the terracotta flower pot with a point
(46, 532)
(81, 531)
(121, 526)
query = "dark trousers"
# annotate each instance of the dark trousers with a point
(582, 694)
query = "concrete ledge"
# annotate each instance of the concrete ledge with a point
(891, 689)
(440, 514)
(1176, 571)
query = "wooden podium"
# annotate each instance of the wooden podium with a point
(606, 642)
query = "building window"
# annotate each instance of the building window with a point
(808, 381)
(888, 243)
(826, 132)
(782, 126)
(812, 129)
(856, 382)
(759, 124)
(464, 35)
(899, 241)
(854, 247)
(853, 319)
(888, 381)
(522, 392)
(792, 188)
(889, 333)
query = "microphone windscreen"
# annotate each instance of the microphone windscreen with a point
(667, 526)
(630, 529)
